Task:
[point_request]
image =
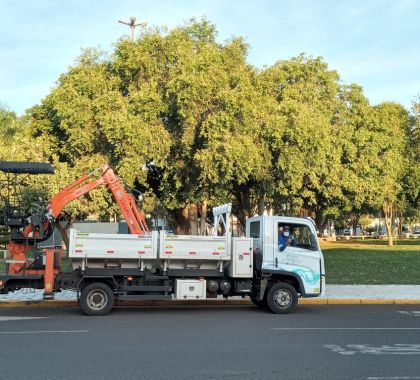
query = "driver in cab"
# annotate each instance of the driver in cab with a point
(286, 238)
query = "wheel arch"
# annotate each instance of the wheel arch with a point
(286, 277)
(87, 280)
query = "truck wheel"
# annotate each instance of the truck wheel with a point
(97, 299)
(282, 298)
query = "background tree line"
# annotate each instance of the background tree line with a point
(189, 122)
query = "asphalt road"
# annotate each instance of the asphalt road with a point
(219, 342)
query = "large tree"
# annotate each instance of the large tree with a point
(410, 196)
(303, 141)
(207, 94)
(358, 137)
(185, 119)
(172, 112)
(86, 121)
(390, 161)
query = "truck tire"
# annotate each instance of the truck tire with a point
(281, 298)
(97, 299)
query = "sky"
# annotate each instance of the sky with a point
(374, 43)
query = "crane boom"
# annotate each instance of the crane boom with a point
(21, 242)
(133, 216)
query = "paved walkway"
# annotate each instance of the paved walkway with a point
(36, 295)
(390, 292)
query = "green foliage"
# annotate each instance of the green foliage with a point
(8, 123)
(411, 180)
(303, 138)
(34, 199)
(186, 120)
(390, 161)
(365, 221)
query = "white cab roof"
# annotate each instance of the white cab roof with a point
(285, 219)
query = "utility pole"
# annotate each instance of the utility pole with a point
(132, 24)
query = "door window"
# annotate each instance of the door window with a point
(254, 230)
(299, 236)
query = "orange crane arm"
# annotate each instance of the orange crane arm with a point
(134, 217)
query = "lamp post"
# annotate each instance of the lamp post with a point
(132, 24)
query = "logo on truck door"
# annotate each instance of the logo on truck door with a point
(308, 276)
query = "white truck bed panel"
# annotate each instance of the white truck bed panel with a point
(190, 247)
(112, 246)
(242, 258)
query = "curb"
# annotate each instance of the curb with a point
(307, 301)
(359, 301)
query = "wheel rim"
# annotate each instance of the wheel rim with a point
(97, 299)
(282, 298)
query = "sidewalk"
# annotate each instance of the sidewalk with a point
(333, 292)
(385, 292)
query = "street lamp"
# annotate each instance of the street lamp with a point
(132, 24)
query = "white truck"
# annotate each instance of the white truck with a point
(108, 268)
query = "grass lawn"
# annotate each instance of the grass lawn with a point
(372, 262)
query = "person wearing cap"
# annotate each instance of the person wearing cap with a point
(286, 238)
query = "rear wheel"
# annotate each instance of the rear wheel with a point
(282, 298)
(97, 299)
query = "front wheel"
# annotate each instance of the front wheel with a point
(282, 298)
(97, 299)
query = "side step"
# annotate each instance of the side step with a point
(151, 297)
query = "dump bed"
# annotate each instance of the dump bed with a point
(112, 246)
(194, 247)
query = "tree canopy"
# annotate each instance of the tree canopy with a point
(188, 121)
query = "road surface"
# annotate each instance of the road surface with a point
(217, 342)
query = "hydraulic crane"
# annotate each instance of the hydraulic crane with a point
(26, 232)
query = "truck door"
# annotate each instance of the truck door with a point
(301, 255)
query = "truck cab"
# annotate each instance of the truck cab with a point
(294, 260)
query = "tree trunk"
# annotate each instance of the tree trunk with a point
(388, 213)
(193, 219)
(203, 217)
(245, 206)
(179, 221)
(261, 205)
(400, 224)
(320, 222)
(241, 216)
(64, 230)
(324, 225)
(355, 221)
